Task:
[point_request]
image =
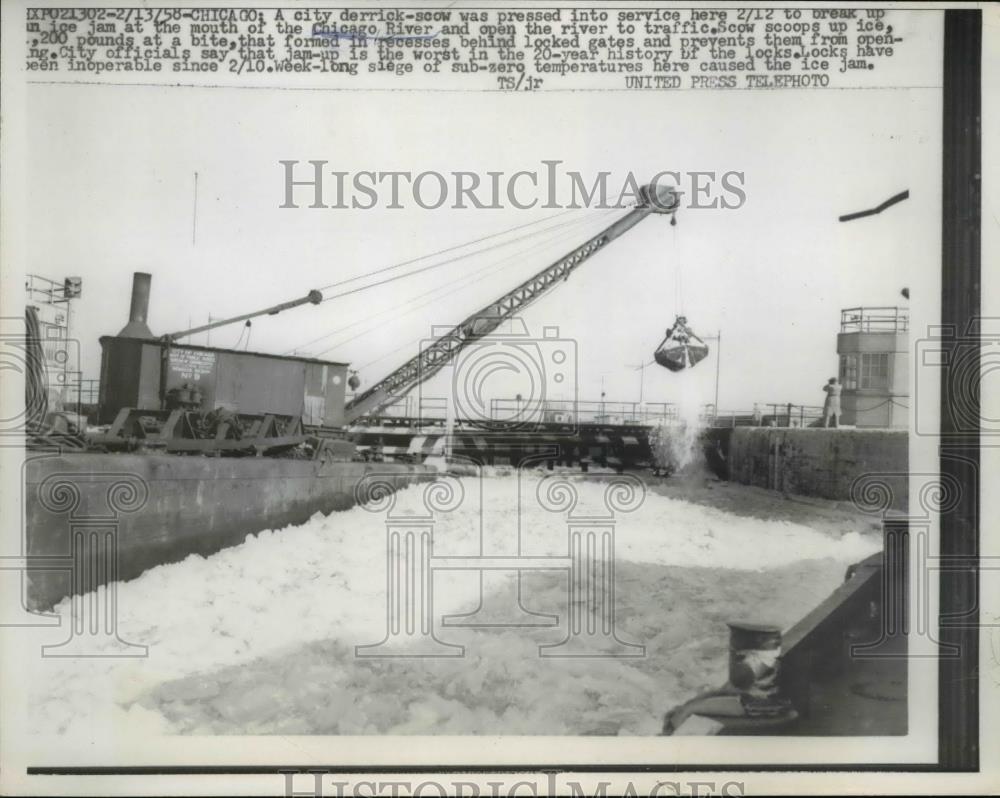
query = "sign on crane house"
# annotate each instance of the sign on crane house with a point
(61, 355)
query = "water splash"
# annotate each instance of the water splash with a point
(675, 443)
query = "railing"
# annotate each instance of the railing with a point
(773, 414)
(874, 319)
(583, 412)
(42, 290)
(555, 411)
(768, 415)
(82, 392)
(414, 406)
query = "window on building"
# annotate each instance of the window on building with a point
(875, 370)
(849, 371)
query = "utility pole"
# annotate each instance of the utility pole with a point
(718, 359)
(641, 368)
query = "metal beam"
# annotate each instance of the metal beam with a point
(313, 297)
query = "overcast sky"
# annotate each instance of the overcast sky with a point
(111, 192)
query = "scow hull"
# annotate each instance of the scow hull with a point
(95, 518)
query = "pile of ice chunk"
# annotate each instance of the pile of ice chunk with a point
(260, 638)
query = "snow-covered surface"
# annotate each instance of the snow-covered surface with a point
(260, 638)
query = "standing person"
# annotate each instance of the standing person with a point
(831, 407)
(758, 416)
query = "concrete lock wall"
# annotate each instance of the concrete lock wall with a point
(818, 462)
(162, 508)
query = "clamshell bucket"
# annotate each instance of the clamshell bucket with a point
(681, 348)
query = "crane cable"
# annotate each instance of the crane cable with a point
(443, 251)
(558, 226)
(422, 337)
(463, 283)
(678, 274)
(438, 265)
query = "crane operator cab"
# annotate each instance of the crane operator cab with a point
(680, 348)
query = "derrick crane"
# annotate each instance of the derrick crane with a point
(653, 199)
(312, 298)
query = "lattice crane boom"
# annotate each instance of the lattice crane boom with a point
(431, 359)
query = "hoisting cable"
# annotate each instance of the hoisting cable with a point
(446, 250)
(678, 274)
(564, 232)
(495, 266)
(439, 264)
(36, 399)
(681, 348)
(569, 223)
(410, 343)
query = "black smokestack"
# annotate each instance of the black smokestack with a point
(139, 310)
